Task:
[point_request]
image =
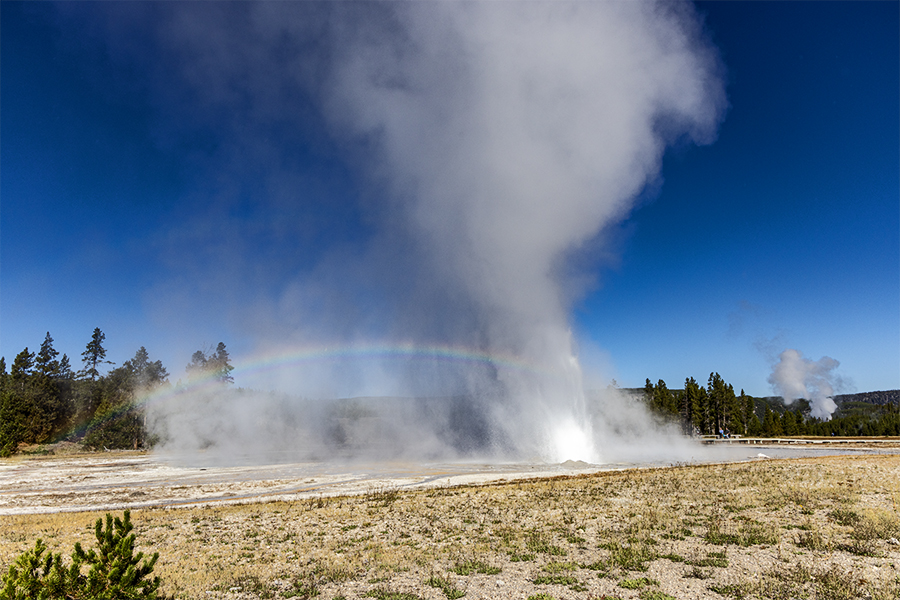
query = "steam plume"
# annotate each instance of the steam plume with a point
(794, 376)
(494, 139)
(510, 134)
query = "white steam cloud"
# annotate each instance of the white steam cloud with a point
(495, 140)
(509, 135)
(794, 377)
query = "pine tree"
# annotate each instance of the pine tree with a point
(115, 572)
(717, 392)
(732, 411)
(146, 373)
(695, 408)
(747, 409)
(217, 365)
(65, 369)
(789, 423)
(45, 362)
(222, 364)
(94, 354)
(21, 368)
(198, 364)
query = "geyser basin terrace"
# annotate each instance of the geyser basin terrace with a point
(119, 480)
(817, 527)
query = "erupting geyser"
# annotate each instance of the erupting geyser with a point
(497, 139)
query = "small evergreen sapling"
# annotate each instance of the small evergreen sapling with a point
(115, 572)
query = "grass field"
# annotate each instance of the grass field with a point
(818, 528)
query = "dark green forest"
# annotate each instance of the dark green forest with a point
(715, 409)
(43, 400)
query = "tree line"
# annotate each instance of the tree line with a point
(715, 409)
(43, 400)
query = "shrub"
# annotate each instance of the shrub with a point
(114, 571)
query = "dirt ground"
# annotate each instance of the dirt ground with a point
(821, 527)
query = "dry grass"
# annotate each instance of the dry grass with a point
(817, 528)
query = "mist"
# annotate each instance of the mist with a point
(489, 143)
(795, 377)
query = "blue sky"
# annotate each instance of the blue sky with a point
(126, 204)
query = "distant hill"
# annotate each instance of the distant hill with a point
(880, 398)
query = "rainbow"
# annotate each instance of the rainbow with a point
(311, 355)
(452, 354)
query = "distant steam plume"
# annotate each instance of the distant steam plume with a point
(494, 140)
(794, 377)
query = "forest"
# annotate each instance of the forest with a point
(43, 400)
(717, 410)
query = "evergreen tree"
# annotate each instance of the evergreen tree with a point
(754, 427)
(732, 411)
(695, 406)
(746, 403)
(221, 363)
(21, 369)
(118, 421)
(13, 418)
(217, 365)
(45, 362)
(65, 369)
(717, 393)
(94, 354)
(198, 364)
(32, 403)
(705, 411)
(662, 400)
(146, 373)
(772, 423)
(789, 423)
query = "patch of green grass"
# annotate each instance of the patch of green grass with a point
(555, 580)
(813, 540)
(859, 548)
(875, 525)
(750, 533)
(844, 516)
(541, 597)
(383, 496)
(673, 557)
(521, 557)
(713, 559)
(631, 557)
(559, 567)
(445, 585)
(636, 584)
(474, 566)
(539, 544)
(383, 594)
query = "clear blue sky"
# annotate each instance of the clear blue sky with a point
(121, 206)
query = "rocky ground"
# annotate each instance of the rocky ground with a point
(819, 528)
